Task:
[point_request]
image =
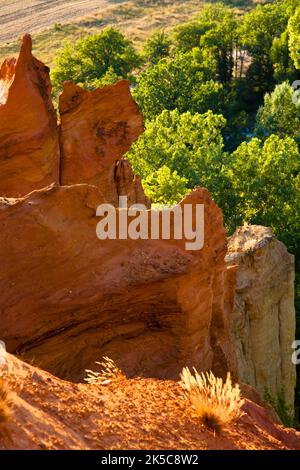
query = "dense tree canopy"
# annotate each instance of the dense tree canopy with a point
(214, 29)
(264, 187)
(257, 183)
(95, 56)
(164, 185)
(281, 59)
(190, 144)
(184, 82)
(257, 33)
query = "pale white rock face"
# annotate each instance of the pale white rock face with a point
(264, 320)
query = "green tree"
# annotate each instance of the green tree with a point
(157, 47)
(109, 78)
(283, 65)
(187, 36)
(93, 57)
(215, 28)
(279, 114)
(184, 82)
(263, 187)
(189, 144)
(164, 186)
(257, 33)
(294, 38)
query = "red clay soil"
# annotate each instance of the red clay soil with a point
(49, 413)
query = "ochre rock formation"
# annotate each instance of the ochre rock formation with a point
(129, 185)
(29, 148)
(97, 129)
(49, 413)
(68, 298)
(264, 312)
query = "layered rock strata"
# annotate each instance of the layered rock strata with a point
(68, 298)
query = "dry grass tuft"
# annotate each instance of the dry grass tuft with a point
(216, 403)
(109, 372)
(4, 402)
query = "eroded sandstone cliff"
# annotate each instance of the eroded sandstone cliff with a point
(29, 146)
(68, 298)
(95, 131)
(264, 312)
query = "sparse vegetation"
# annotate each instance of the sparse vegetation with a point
(109, 372)
(215, 402)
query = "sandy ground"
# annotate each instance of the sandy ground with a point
(20, 16)
(48, 413)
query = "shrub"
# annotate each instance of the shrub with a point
(215, 402)
(109, 371)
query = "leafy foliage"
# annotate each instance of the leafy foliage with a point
(214, 29)
(184, 82)
(263, 188)
(294, 37)
(157, 47)
(281, 59)
(93, 57)
(164, 185)
(257, 33)
(279, 114)
(189, 144)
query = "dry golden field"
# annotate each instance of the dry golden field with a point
(51, 22)
(21, 16)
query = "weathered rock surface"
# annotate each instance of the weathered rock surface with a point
(68, 298)
(29, 148)
(49, 413)
(128, 184)
(97, 129)
(264, 312)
